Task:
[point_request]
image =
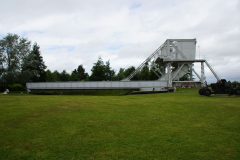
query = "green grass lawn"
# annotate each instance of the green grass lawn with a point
(180, 125)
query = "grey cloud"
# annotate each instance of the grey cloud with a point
(125, 32)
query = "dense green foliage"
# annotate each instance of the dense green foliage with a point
(33, 66)
(180, 125)
(79, 74)
(13, 51)
(101, 71)
(19, 63)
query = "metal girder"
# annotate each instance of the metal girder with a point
(214, 73)
(169, 74)
(197, 74)
(157, 69)
(156, 74)
(169, 43)
(98, 85)
(184, 62)
(142, 65)
(178, 70)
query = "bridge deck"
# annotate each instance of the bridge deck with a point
(96, 85)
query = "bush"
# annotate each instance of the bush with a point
(16, 87)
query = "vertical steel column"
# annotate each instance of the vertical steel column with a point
(169, 70)
(203, 78)
(191, 71)
(169, 73)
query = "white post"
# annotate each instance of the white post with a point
(203, 78)
(169, 72)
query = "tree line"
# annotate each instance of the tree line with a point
(21, 62)
(100, 72)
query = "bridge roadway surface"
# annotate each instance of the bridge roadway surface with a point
(96, 85)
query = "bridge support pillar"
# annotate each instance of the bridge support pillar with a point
(169, 73)
(203, 78)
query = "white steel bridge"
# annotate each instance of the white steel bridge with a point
(170, 62)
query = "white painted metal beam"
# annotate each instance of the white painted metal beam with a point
(97, 85)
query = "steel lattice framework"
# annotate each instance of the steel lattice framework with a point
(174, 59)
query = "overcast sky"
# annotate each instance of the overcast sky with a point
(73, 32)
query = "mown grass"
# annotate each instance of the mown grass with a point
(180, 125)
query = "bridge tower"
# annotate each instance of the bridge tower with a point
(173, 61)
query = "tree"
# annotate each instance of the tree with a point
(152, 75)
(13, 50)
(64, 76)
(53, 76)
(33, 66)
(121, 74)
(130, 70)
(101, 71)
(50, 76)
(109, 73)
(145, 73)
(56, 76)
(98, 71)
(74, 75)
(79, 74)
